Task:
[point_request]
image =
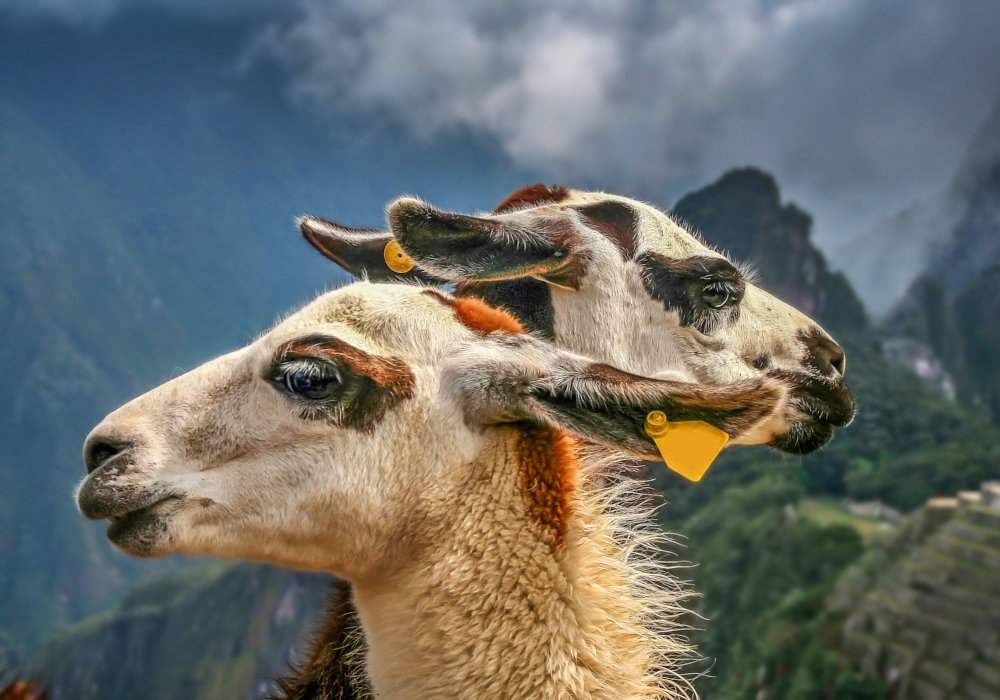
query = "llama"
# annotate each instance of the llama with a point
(618, 281)
(419, 447)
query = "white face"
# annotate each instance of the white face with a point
(227, 461)
(620, 282)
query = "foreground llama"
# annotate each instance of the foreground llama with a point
(414, 445)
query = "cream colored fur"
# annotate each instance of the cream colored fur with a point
(460, 593)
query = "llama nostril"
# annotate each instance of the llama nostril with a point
(839, 361)
(823, 354)
(99, 450)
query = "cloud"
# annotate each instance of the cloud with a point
(857, 106)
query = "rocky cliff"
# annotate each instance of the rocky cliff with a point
(922, 608)
(742, 214)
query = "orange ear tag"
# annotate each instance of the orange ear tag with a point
(688, 447)
(396, 258)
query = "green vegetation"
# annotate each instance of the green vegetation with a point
(763, 572)
(211, 632)
(829, 511)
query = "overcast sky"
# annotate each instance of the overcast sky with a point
(858, 106)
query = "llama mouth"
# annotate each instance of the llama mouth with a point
(106, 494)
(138, 530)
(820, 405)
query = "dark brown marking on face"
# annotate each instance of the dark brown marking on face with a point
(527, 298)
(616, 221)
(532, 196)
(479, 316)
(366, 385)
(547, 470)
(687, 285)
(761, 362)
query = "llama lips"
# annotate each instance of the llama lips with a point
(138, 531)
(105, 495)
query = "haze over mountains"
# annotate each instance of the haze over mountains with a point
(953, 235)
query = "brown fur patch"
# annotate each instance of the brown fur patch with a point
(548, 469)
(22, 690)
(532, 196)
(616, 222)
(388, 373)
(479, 316)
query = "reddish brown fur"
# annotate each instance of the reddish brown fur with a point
(479, 316)
(532, 196)
(548, 469)
(22, 690)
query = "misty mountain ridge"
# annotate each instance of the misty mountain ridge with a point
(947, 323)
(953, 235)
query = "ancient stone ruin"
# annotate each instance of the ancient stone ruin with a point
(923, 608)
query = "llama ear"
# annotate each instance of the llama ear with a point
(360, 251)
(538, 382)
(469, 248)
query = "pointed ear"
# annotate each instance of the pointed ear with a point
(360, 251)
(533, 243)
(506, 379)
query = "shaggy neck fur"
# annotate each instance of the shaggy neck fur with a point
(536, 581)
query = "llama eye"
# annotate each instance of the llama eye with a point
(311, 380)
(720, 294)
(715, 296)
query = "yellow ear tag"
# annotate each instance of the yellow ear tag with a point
(396, 258)
(688, 447)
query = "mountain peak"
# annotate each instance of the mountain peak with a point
(742, 214)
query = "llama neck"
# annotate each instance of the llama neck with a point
(514, 597)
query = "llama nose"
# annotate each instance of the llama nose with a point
(824, 355)
(100, 450)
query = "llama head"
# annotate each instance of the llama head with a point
(619, 281)
(327, 442)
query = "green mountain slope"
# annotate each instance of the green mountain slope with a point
(80, 326)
